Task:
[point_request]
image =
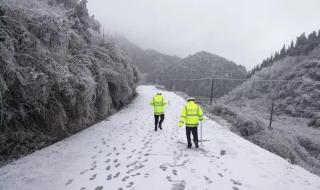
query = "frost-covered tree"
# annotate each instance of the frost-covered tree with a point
(56, 77)
(302, 46)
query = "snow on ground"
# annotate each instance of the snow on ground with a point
(124, 152)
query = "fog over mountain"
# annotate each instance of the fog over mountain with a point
(244, 31)
(175, 73)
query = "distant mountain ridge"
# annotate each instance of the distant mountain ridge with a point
(158, 68)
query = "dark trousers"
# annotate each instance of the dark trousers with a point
(157, 122)
(194, 131)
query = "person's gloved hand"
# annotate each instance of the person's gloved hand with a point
(180, 124)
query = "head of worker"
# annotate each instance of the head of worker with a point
(191, 99)
(159, 93)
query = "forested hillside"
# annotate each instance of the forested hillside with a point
(57, 74)
(302, 46)
(170, 71)
(293, 84)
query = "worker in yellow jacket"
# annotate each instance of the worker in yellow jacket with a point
(158, 103)
(191, 114)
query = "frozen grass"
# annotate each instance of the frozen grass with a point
(296, 107)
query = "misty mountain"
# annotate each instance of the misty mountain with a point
(295, 90)
(148, 61)
(170, 71)
(57, 74)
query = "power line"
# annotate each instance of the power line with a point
(237, 79)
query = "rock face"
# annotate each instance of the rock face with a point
(57, 74)
(163, 69)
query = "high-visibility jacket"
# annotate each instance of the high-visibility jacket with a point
(191, 114)
(158, 103)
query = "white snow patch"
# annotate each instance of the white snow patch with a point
(125, 152)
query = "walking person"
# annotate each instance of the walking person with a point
(158, 103)
(191, 114)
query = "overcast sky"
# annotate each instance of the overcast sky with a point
(244, 31)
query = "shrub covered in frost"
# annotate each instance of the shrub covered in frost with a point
(57, 74)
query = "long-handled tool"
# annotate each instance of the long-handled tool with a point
(201, 133)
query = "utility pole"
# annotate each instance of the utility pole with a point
(211, 95)
(271, 115)
(240, 100)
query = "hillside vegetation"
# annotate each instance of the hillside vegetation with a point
(170, 71)
(293, 83)
(57, 74)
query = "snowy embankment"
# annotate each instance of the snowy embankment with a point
(123, 152)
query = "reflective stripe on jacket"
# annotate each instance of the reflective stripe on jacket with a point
(158, 103)
(191, 114)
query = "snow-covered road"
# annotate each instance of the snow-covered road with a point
(124, 152)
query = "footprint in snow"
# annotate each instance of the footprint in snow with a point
(235, 182)
(117, 165)
(223, 152)
(115, 161)
(235, 188)
(174, 172)
(169, 178)
(99, 188)
(146, 175)
(146, 160)
(129, 157)
(116, 175)
(125, 178)
(130, 184)
(82, 188)
(93, 177)
(108, 160)
(164, 168)
(84, 171)
(179, 185)
(220, 174)
(69, 181)
(108, 167)
(135, 174)
(109, 177)
(207, 179)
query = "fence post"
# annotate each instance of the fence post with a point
(211, 95)
(271, 115)
(1, 109)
